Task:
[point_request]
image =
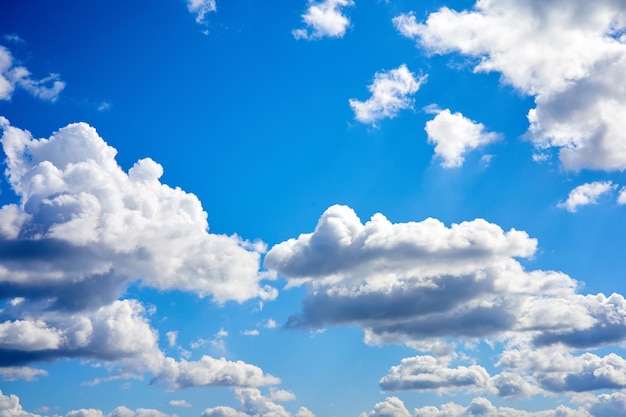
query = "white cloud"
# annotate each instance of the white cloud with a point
(391, 92)
(271, 324)
(253, 404)
(201, 8)
(13, 373)
(427, 373)
(586, 194)
(621, 197)
(324, 18)
(84, 224)
(427, 285)
(454, 134)
(391, 407)
(13, 75)
(179, 403)
(569, 58)
(209, 371)
(10, 407)
(253, 332)
(482, 407)
(171, 338)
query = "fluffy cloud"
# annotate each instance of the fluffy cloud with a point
(83, 230)
(569, 58)
(586, 194)
(454, 134)
(10, 407)
(253, 404)
(13, 75)
(13, 373)
(85, 226)
(391, 92)
(426, 373)
(200, 8)
(427, 285)
(324, 18)
(417, 279)
(391, 407)
(209, 371)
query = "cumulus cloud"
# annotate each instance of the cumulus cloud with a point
(85, 226)
(209, 371)
(586, 194)
(391, 407)
(569, 58)
(13, 75)
(454, 134)
(81, 232)
(253, 404)
(324, 18)
(179, 403)
(426, 373)
(427, 285)
(391, 92)
(201, 8)
(13, 373)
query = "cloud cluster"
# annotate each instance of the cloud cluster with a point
(586, 194)
(454, 134)
(13, 75)
(82, 231)
(324, 18)
(569, 57)
(603, 405)
(253, 404)
(422, 284)
(391, 92)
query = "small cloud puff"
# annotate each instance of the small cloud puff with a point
(454, 134)
(391, 92)
(324, 19)
(586, 194)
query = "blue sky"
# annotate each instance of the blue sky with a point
(320, 208)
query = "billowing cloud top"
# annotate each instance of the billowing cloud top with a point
(82, 219)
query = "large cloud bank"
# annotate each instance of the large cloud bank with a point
(571, 56)
(82, 231)
(431, 286)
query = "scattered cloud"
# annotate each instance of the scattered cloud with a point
(85, 226)
(391, 407)
(209, 371)
(254, 404)
(14, 373)
(586, 194)
(271, 324)
(253, 332)
(324, 19)
(13, 75)
(391, 92)
(569, 59)
(201, 8)
(171, 338)
(427, 373)
(454, 134)
(179, 403)
(621, 196)
(422, 283)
